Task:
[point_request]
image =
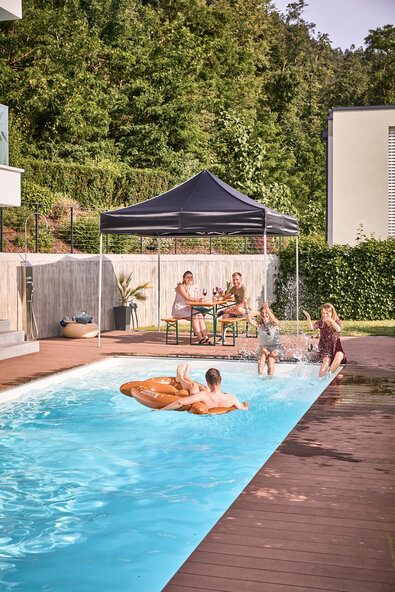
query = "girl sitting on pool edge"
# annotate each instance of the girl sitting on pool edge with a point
(270, 349)
(331, 353)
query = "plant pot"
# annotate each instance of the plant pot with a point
(122, 317)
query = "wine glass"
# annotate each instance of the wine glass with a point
(214, 293)
(204, 293)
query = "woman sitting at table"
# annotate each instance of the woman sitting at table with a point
(181, 310)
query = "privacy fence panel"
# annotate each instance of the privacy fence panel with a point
(65, 285)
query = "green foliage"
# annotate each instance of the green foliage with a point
(357, 280)
(15, 217)
(19, 241)
(45, 241)
(228, 245)
(33, 193)
(86, 233)
(99, 90)
(127, 293)
(63, 203)
(102, 186)
(121, 244)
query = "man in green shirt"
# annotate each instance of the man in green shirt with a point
(240, 294)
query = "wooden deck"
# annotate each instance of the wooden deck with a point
(320, 514)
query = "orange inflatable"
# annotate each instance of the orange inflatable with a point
(161, 391)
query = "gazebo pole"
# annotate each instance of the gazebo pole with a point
(265, 267)
(297, 285)
(159, 283)
(100, 283)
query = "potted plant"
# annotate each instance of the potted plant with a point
(127, 294)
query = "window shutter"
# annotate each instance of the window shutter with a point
(391, 181)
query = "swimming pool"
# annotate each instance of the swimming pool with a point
(100, 494)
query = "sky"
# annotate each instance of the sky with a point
(347, 22)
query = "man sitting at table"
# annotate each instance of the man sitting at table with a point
(240, 294)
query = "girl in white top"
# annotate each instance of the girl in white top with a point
(181, 310)
(270, 348)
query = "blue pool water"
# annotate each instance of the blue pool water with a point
(99, 494)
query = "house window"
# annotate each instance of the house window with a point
(391, 181)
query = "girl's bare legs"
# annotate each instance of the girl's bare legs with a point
(325, 367)
(270, 364)
(336, 362)
(262, 359)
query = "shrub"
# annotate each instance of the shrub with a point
(15, 217)
(19, 241)
(228, 244)
(61, 209)
(103, 185)
(357, 280)
(44, 238)
(121, 243)
(86, 233)
(35, 194)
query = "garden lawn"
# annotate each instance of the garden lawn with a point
(358, 328)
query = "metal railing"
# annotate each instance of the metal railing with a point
(77, 230)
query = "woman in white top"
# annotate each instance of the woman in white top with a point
(270, 348)
(182, 310)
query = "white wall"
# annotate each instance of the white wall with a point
(358, 184)
(10, 186)
(10, 10)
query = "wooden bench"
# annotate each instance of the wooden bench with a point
(173, 324)
(226, 323)
(234, 323)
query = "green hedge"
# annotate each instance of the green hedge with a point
(101, 185)
(34, 193)
(357, 280)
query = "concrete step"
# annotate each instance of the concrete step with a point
(4, 326)
(20, 349)
(11, 338)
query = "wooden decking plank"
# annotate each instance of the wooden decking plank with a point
(314, 509)
(360, 533)
(373, 478)
(333, 558)
(244, 574)
(303, 568)
(258, 514)
(362, 543)
(202, 583)
(272, 543)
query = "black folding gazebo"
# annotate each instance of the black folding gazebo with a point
(202, 206)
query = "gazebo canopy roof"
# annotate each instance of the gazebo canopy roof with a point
(202, 206)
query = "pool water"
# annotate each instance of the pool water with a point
(99, 494)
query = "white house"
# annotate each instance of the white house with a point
(361, 173)
(10, 177)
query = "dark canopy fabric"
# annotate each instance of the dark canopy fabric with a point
(203, 205)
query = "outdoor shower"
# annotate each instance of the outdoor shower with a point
(29, 322)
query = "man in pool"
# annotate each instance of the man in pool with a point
(211, 396)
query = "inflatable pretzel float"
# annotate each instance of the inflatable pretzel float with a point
(162, 390)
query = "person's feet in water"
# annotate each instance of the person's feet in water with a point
(180, 371)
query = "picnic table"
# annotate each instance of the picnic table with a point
(211, 307)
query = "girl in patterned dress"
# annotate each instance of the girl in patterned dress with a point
(331, 353)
